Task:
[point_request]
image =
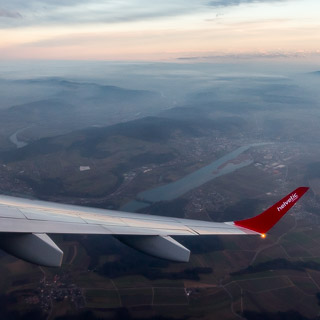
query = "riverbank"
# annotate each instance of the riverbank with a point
(224, 165)
(15, 140)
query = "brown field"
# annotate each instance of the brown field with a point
(305, 284)
(265, 284)
(102, 298)
(170, 296)
(136, 297)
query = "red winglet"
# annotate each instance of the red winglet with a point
(267, 219)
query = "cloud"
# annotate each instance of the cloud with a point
(60, 12)
(9, 14)
(250, 56)
(230, 3)
(55, 12)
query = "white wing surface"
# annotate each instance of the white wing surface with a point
(22, 215)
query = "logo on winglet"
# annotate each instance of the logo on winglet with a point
(292, 198)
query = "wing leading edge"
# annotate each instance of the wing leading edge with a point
(33, 219)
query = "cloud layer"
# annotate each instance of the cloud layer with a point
(50, 12)
(167, 29)
(9, 14)
(229, 3)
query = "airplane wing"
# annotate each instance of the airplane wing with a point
(24, 225)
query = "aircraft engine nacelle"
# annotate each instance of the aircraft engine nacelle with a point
(35, 248)
(158, 246)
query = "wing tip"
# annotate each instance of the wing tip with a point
(263, 222)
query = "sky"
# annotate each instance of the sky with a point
(164, 30)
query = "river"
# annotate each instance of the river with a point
(224, 165)
(15, 140)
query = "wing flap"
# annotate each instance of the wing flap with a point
(36, 226)
(32, 214)
(58, 227)
(10, 212)
(157, 224)
(222, 230)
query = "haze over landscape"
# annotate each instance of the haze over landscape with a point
(206, 110)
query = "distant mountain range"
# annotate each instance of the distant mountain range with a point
(71, 106)
(188, 122)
